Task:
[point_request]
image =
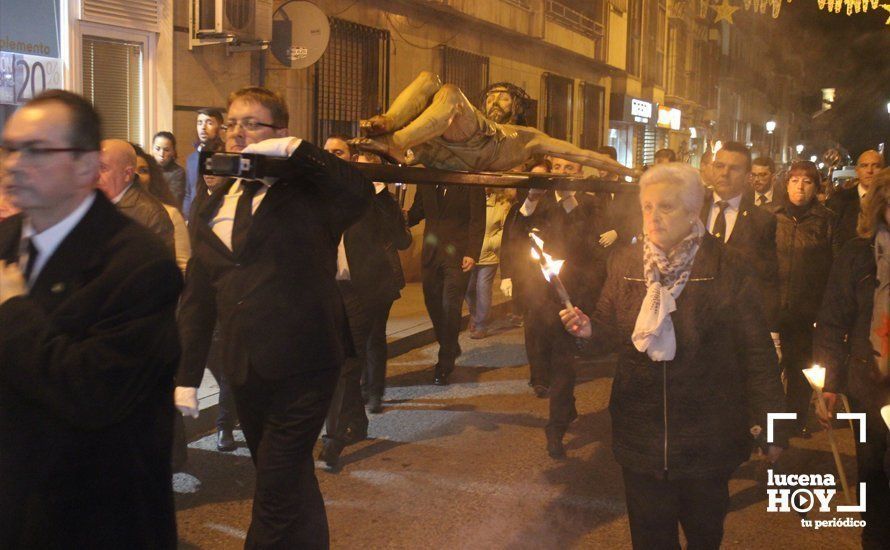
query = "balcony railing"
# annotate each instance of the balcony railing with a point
(524, 4)
(576, 21)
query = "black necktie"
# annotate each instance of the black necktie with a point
(28, 244)
(720, 223)
(440, 193)
(244, 214)
(761, 200)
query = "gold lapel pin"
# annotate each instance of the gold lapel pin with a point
(745, 213)
(57, 288)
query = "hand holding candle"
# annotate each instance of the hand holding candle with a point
(816, 377)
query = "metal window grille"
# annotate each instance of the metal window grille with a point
(351, 79)
(558, 97)
(112, 81)
(594, 104)
(466, 70)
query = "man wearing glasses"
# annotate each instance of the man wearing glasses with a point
(264, 261)
(88, 349)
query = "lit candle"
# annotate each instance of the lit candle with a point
(816, 377)
(550, 268)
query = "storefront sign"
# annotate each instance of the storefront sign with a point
(640, 108)
(669, 118)
(24, 76)
(30, 27)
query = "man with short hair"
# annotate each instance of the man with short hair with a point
(208, 126)
(766, 192)
(264, 263)
(730, 215)
(88, 347)
(663, 156)
(846, 203)
(117, 165)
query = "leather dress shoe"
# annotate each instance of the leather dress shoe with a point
(354, 435)
(441, 374)
(555, 447)
(375, 405)
(330, 453)
(225, 441)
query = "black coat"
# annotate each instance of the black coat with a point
(842, 344)
(370, 245)
(454, 229)
(140, 205)
(689, 416)
(86, 390)
(804, 249)
(277, 302)
(753, 238)
(845, 204)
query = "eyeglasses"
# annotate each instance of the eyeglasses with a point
(34, 152)
(249, 125)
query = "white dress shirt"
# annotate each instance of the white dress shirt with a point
(47, 241)
(224, 219)
(731, 214)
(768, 195)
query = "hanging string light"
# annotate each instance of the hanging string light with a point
(853, 6)
(762, 6)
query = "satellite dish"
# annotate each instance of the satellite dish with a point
(300, 34)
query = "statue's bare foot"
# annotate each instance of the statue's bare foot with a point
(378, 147)
(375, 126)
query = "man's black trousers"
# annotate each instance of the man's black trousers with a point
(444, 287)
(281, 420)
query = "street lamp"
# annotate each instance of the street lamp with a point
(799, 149)
(814, 158)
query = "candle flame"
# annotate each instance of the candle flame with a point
(549, 267)
(815, 376)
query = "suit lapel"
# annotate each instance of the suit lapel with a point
(741, 221)
(205, 215)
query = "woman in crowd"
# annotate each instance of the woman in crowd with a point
(852, 343)
(163, 149)
(804, 245)
(150, 176)
(694, 354)
(497, 205)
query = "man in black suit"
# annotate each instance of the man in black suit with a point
(88, 348)
(368, 286)
(452, 242)
(264, 261)
(731, 216)
(846, 203)
(766, 192)
(117, 164)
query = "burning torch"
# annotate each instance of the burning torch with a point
(550, 268)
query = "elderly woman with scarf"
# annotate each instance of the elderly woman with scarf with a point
(852, 342)
(694, 355)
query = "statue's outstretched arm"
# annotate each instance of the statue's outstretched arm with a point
(406, 107)
(546, 145)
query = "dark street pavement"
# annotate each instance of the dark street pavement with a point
(464, 466)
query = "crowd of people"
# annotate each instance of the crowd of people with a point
(714, 286)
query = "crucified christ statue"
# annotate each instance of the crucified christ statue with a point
(436, 125)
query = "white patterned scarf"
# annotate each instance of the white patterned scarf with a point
(666, 275)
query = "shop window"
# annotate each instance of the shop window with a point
(113, 82)
(467, 71)
(351, 79)
(558, 98)
(594, 104)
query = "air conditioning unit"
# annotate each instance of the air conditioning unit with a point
(237, 22)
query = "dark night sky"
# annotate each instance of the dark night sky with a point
(852, 54)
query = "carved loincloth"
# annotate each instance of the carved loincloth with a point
(477, 153)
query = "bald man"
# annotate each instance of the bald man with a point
(117, 168)
(846, 203)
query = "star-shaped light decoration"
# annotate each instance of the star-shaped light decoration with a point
(887, 7)
(724, 11)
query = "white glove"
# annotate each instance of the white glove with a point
(507, 287)
(562, 195)
(608, 238)
(275, 147)
(186, 400)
